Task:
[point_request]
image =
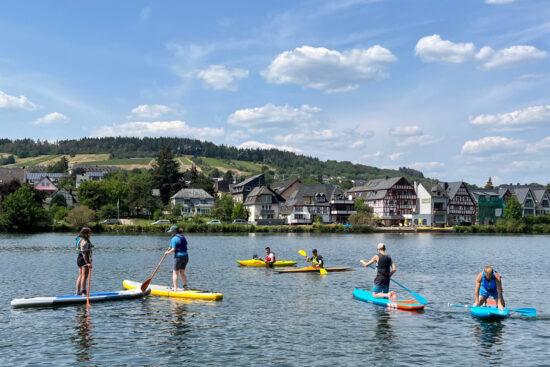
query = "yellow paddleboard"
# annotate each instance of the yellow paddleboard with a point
(160, 290)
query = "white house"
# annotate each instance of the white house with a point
(263, 205)
(431, 205)
(193, 201)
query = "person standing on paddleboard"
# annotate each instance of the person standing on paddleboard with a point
(269, 257)
(178, 246)
(316, 260)
(489, 284)
(382, 280)
(84, 259)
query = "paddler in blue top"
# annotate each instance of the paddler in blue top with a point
(489, 284)
(178, 246)
(382, 280)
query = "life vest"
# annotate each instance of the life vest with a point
(315, 260)
(181, 247)
(269, 258)
(489, 286)
(77, 245)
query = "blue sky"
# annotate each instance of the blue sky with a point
(457, 89)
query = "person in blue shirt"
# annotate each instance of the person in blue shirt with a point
(178, 246)
(489, 284)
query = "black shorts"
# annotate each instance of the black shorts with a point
(180, 263)
(80, 261)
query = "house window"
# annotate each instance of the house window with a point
(267, 199)
(248, 188)
(307, 200)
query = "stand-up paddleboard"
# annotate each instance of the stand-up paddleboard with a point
(74, 299)
(160, 290)
(312, 269)
(401, 304)
(262, 264)
(489, 312)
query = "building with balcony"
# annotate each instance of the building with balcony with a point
(393, 199)
(193, 201)
(461, 209)
(431, 205)
(241, 190)
(309, 201)
(263, 205)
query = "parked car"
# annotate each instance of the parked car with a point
(240, 221)
(214, 221)
(161, 221)
(111, 221)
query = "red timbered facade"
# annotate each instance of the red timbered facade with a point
(393, 199)
(461, 209)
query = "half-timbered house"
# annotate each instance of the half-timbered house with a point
(461, 209)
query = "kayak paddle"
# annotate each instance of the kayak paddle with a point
(146, 283)
(88, 291)
(526, 311)
(322, 271)
(418, 297)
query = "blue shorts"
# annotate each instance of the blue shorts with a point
(180, 262)
(486, 294)
(380, 289)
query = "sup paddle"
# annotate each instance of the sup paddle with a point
(146, 283)
(322, 271)
(88, 291)
(418, 297)
(526, 311)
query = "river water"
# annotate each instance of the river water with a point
(267, 318)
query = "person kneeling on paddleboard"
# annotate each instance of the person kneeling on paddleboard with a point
(316, 260)
(382, 280)
(489, 284)
(270, 257)
(84, 259)
(178, 246)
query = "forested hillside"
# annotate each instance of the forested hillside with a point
(285, 163)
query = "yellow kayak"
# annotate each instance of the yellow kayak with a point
(261, 263)
(160, 290)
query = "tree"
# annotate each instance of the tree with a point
(62, 165)
(81, 216)
(364, 213)
(92, 194)
(166, 176)
(107, 211)
(58, 200)
(513, 209)
(489, 184)
(21, 211)
(239, 212)
(223, 207)
(228, 176)
(140, 194)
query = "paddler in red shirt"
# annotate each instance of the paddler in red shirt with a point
(270, 257)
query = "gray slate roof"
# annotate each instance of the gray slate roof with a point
(37, 176)
(316, 192)
(434, 188)
(241, 184)
(8, 175)
(281, 186)
(521, 193)
(188, 194)
(255, 196)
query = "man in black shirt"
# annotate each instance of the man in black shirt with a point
(383, 274)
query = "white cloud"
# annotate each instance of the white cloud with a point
(16, 103)
(376, 155)
(329, 70)
(514, 55)
(154, 111)
(395, 156)
(257, 145)
(51, 118)
(484, 53)
(271, 115)
(159, 128)
(434, 49)
(492, 144)
(540, 146)
(219, 77)
(499, 1)
(326, 138)
(405, 130)
(380, 156)
(516, 119)
(523, 166)
(418, 140)
(429, 166)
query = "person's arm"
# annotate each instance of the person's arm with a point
(394, 269)
(498, 280)
(320, 263)
(274, 258)
(170, 251)
(172, 248)
(374, 259)
(478, 285)
(308, 259)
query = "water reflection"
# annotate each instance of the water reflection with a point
(489, 337)
(384, 333)
(82, 337)
(178, 321)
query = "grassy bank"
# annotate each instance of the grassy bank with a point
(529, 224)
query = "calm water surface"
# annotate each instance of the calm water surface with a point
(274, 319)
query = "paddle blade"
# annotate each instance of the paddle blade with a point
(302, 252)
(530, 312)
(322, 271)
(145, 284)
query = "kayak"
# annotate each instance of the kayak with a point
(160, 290)
(312, 269)
(400, 304)
(262, 264)
(74, 299)
(487, 312)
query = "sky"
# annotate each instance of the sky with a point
(457, 89)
